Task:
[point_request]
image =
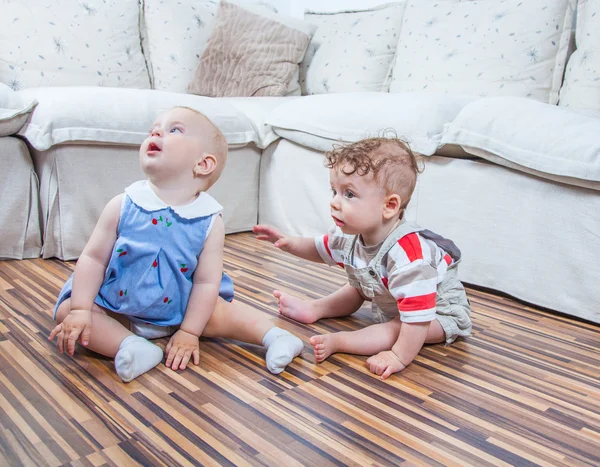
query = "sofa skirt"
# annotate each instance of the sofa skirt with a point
(20, 235)
(77, 180)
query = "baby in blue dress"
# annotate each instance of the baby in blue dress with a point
(153, 266)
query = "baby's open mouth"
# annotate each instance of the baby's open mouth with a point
(153, 147)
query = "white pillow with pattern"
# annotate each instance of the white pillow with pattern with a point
(485, 48)
(71, 43)
(352, 50)
(581, 87)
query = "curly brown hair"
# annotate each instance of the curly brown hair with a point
(391, 162)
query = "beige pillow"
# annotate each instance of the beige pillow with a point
(250, 54)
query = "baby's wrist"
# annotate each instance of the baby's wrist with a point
(189, 332)
(398, 358)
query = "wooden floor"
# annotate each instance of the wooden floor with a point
(524, 389)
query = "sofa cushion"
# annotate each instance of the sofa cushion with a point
(258, 110)
(14, 110)
(49, 43)
(116, 115)
(322, 120)
(581, 87)
(250, 53)
(510, 47)
(548, 141)
(351, 50)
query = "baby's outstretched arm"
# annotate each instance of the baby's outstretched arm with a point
(207, 279)
(303, 247)
(87, 279)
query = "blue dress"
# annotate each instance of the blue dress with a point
(149, 275)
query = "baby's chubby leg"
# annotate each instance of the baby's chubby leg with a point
(342, 302)
(367, 341)
(111, 337)
(234, 320)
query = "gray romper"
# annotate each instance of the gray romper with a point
(452, 307)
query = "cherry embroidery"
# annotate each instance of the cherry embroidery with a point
(122, 292)
(155, 264)
(183, 268)
(167, 301)
(121, 252)
(160, 219)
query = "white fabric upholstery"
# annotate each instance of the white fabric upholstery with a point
(581, 86)
(528, 237)
(546, 140)
(351, 50)
(14, 110)
(77, 180)
(320, 121)
(71, 43)
(120, 116)
(508, 47)
(258, 109)
(20, 235)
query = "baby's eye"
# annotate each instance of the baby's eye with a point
(175, 130)
(333, 192)
(349, 194)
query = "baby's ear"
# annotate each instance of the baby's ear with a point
(392, 206)
(206, 165)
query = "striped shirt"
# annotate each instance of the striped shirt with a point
(411, 269)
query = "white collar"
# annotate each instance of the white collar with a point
(142, 195)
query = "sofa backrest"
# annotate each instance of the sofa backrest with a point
(50, 43)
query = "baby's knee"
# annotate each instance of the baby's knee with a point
(63, 311)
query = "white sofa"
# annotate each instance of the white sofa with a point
(510, 175)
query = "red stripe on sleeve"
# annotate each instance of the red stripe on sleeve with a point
(422, 302)
(448, 259)
(412, 246)
(326, 243)
(385, 282)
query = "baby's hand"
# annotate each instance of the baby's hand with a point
(180, 349)
(271, 234)
(384, 364)
(77, 323)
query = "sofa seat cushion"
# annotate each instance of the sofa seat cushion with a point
(322, 120)
(547, 141)
(258, 110)
(14, 110)
(117, 115)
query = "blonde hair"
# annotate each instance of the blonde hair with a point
(217, 145)
(391, 161)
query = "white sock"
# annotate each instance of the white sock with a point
(136, 356)
(282, 347)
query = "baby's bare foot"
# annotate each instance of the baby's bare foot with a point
(299, 310)
(323, 346)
